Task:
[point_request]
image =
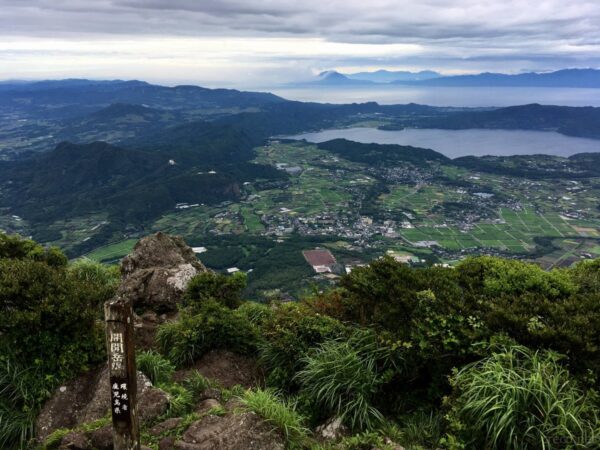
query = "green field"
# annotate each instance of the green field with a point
(112, 252)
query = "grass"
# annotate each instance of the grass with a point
(278, 413)
(155, 366)
(19, 403)
(342, 377)
(517, 398)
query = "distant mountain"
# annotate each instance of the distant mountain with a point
(385, 76)
(579, 78)
(72, 98)
(570, 121)
(333, 78)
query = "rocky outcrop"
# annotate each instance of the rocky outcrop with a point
(87, 398)
(226, 369)
(332, 430)
(157, 271)
(245, 431)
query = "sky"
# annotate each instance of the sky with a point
(245, 43)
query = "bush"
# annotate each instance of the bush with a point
(288, 335)
(256, 313)
(517, 398)
(15, 247)
(49, 319)
(343, 376)
(49, 330)
(155, 366)
(279, 413)
(208, 327)
(224, 289)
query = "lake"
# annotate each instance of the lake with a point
(443, 96)
(456, 143)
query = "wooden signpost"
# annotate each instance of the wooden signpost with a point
(123, 375)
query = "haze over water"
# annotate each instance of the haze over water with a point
(456, 143)
(443, 96)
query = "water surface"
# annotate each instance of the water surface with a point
(456, 143)
(444, 96)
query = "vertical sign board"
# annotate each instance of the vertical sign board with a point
(123, 376)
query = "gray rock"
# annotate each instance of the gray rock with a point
(332, 430)
(206, 405)
(102, 438)
(157, 271)
(165, 426)
(87, 398)
(167, 443)
(75, 441)
(232, 432)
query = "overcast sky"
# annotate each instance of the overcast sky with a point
(260, 42)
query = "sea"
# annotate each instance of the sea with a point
(443, 96)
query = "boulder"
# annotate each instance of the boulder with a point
(226, 368)
(75, 441)
(157, 271)
(245, 431)
(165, 426)
(102, 438)
(206, 405)
(332, 430)
(167, 443)
(87, 398)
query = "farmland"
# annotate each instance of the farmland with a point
(440, 212)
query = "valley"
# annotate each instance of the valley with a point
(91, 167)
(437, 213)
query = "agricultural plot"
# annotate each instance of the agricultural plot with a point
(515, 235)
(112, 252)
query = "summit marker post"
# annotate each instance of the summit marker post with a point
(120, 346)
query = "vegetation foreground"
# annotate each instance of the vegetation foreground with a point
(490, 354)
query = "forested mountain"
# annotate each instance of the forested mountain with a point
(69, 98)
(578, 78)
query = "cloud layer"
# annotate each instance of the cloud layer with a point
(244, 42)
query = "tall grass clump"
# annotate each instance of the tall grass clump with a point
(522, 399)
(197, 383)
(279, 413)
(155, 366)
(344, 376)
(20, 397)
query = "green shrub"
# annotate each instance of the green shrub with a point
(279, 413)
(15, 247)
(224, 289)
(49, 332)
(343, 376)
(288, 335)
(520, 399)
(211, 326)
(156, 367)
(103, 277)
(417, 430)
(49, 319)
(256, 313)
